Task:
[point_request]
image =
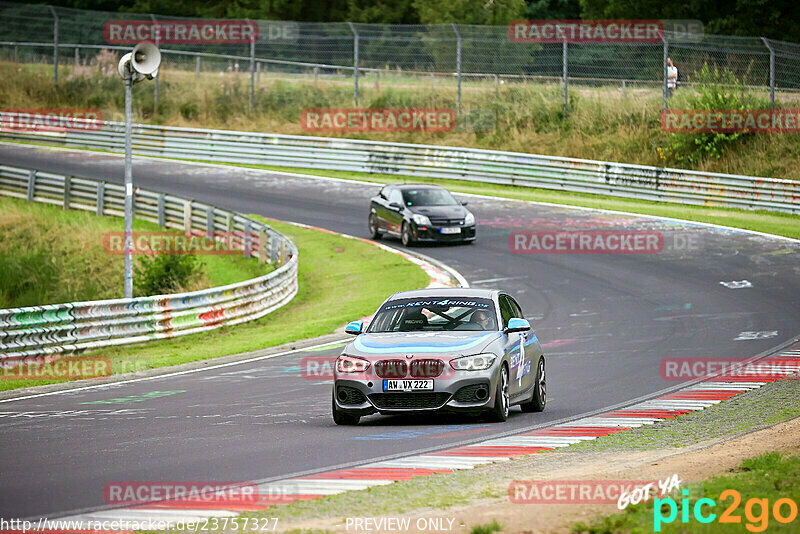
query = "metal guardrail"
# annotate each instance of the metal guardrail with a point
(469, 164)
(77, 326)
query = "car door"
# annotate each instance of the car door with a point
(511, 347)
(379, 206)
(529, 345)
(394, 216)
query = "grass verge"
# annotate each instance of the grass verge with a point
(765, 479)
(49, 255)
(328, 263)
(443, 491)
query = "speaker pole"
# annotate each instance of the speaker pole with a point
(128, 189)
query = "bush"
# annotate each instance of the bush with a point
(166, 273)
(715, 91)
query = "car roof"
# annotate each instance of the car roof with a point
(448, 292)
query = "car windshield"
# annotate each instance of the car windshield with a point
(435, 314)
(428, 197)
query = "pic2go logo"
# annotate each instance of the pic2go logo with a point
(756, 511)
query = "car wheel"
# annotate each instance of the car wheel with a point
(539, 395)
(340, 417)
(373, 227)
(405, 235)
(500, 410)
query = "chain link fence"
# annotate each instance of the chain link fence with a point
(463, 58)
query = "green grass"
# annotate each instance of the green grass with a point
(50, 256)
(488, 528)
(769, 476)
(602, 123)
(340, 279)
(770, 222)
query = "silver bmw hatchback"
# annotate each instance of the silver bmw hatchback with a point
(460, 350)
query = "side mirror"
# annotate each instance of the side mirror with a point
(516, 324)
(396, 205)
(464, 202)
(354, 328)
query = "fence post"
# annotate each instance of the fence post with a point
(187, 216)
(197, 66)
(55, 46)
(210, 221)
(355, 63)
(77, 57)
(377, 80)
(624, 94)
(262, 245)
(458, 64)
(247, 240)
(31, 185)
(67, 191)
(771, 72)
(252, 68)
(316, 73)
(162, 216)
(258, 72)
(496, 84)
(101, 198)
(565, 75)
(155, 86)
(666, 53)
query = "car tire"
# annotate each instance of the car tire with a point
(499, 413)
(405, 235)
(340, 417)
(539, 395)
(372, 225)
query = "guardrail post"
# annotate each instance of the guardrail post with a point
(771, 72)
(355, 64)
(262, 245)
(273, 256)
(565, 75)
(55, 46)
(101, 198)
(210, 221)
(197, 66)
(31, 185)
(247, 239)
(187, 216)
(458, 65)
(67, 191)
(252, 69)
(666, 53)
(162, 212)
(282, 260)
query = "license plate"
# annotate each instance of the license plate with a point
(408, 385)
(451, 230)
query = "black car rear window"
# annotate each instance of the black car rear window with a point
(435, 314)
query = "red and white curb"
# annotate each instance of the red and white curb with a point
(693, 398)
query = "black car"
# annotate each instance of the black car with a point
(420, 213)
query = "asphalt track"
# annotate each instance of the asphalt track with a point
(606, 322)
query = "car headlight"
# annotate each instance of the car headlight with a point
(351, 364)
(469, 220)
(421, 219)
(476, 362)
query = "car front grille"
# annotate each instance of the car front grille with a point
(409, 401)
(419, 368)
(447, 222)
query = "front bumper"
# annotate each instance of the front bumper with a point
(434, 233)
(467, 391)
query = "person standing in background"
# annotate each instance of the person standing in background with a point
(672, 77)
